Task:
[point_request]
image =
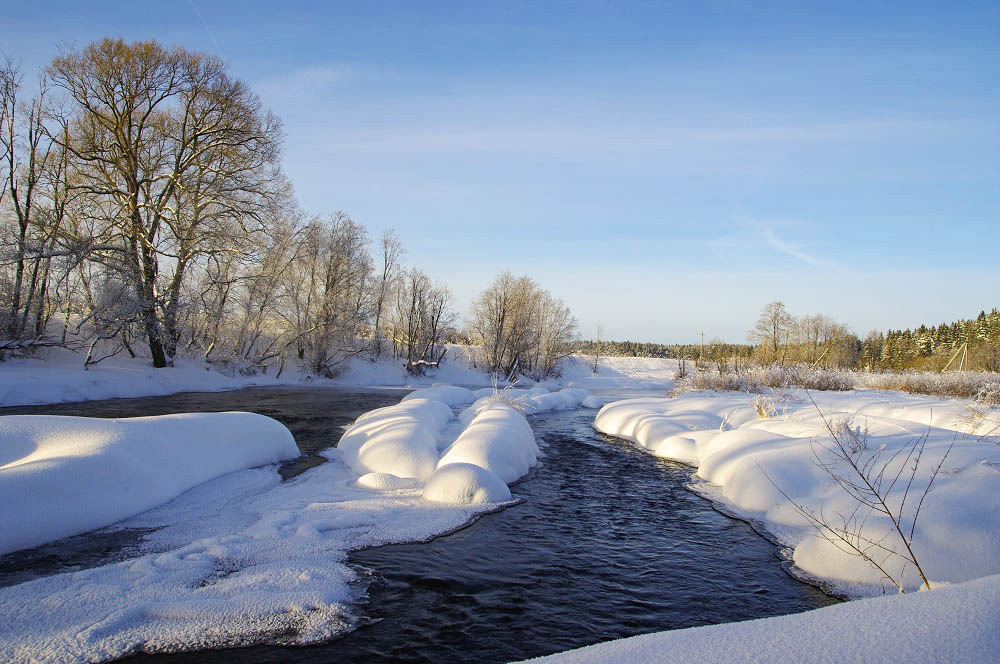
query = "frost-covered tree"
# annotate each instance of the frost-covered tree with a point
(421, 313)
(521, 328)
(171, 148)
(325, 290)
(772, 329)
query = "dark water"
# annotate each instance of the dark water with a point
(608, 543)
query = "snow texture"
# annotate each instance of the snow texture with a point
(449, 394)
(750, 461)
(952, 624)
(497, 438)
(239, 560)
(400, 440)
(60, 476)
(465, 484)
(416, 440)
(618, 373)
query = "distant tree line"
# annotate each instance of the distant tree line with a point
(964, 344)
(709, 351)
(972, 343)
(143, 210)
(780, 338)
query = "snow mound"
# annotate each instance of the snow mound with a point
(60, 476)
(400, 440)
(530, 402)
(449, 394)
(385, 482)
(497, 438)
(465, 484)
(595, 402)
(509, 393)
(952, 624)
(405, 440)
(761, 467)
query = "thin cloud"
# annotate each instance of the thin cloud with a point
(309, 83)
(787, 248)
(201, 18)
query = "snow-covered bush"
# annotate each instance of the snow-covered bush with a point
(982, 386)
(757, 379)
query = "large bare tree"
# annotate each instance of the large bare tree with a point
(177, 148)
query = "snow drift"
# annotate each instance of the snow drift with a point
(497, 438)
(60, 476)
(400, 440)
(758, 459)
(421, 441)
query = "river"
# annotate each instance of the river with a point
(607, 543)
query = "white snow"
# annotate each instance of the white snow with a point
(245, 558)
(57, 375)
(952, 624)
(60, 476)
(618, 373)
(400, 440)
(736, 451)
(449, 394)
(417, 440)
(497, 438)
(465, 484)
(242, 559)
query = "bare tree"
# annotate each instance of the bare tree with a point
(597, 352)
(772, 328)
(390, 254)
(150, 128)
(326, 290)
(520, 327)
(35, 184)
(421, 313)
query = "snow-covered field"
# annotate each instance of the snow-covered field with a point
(755, 455)
(57, 376)
(618, 373)
(243, 558)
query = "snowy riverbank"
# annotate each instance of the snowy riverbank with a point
(246, 558)
(58, 376)
(756, 455)
(60, 476)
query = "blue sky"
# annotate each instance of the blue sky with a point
(665, 168)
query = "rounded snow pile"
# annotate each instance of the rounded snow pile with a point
(465, 484)
(449, 394)
(398, 447)
(497, 438)
(385, 482)
(533, 401)
(765, 466)
(60, 476)
(400, 440)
